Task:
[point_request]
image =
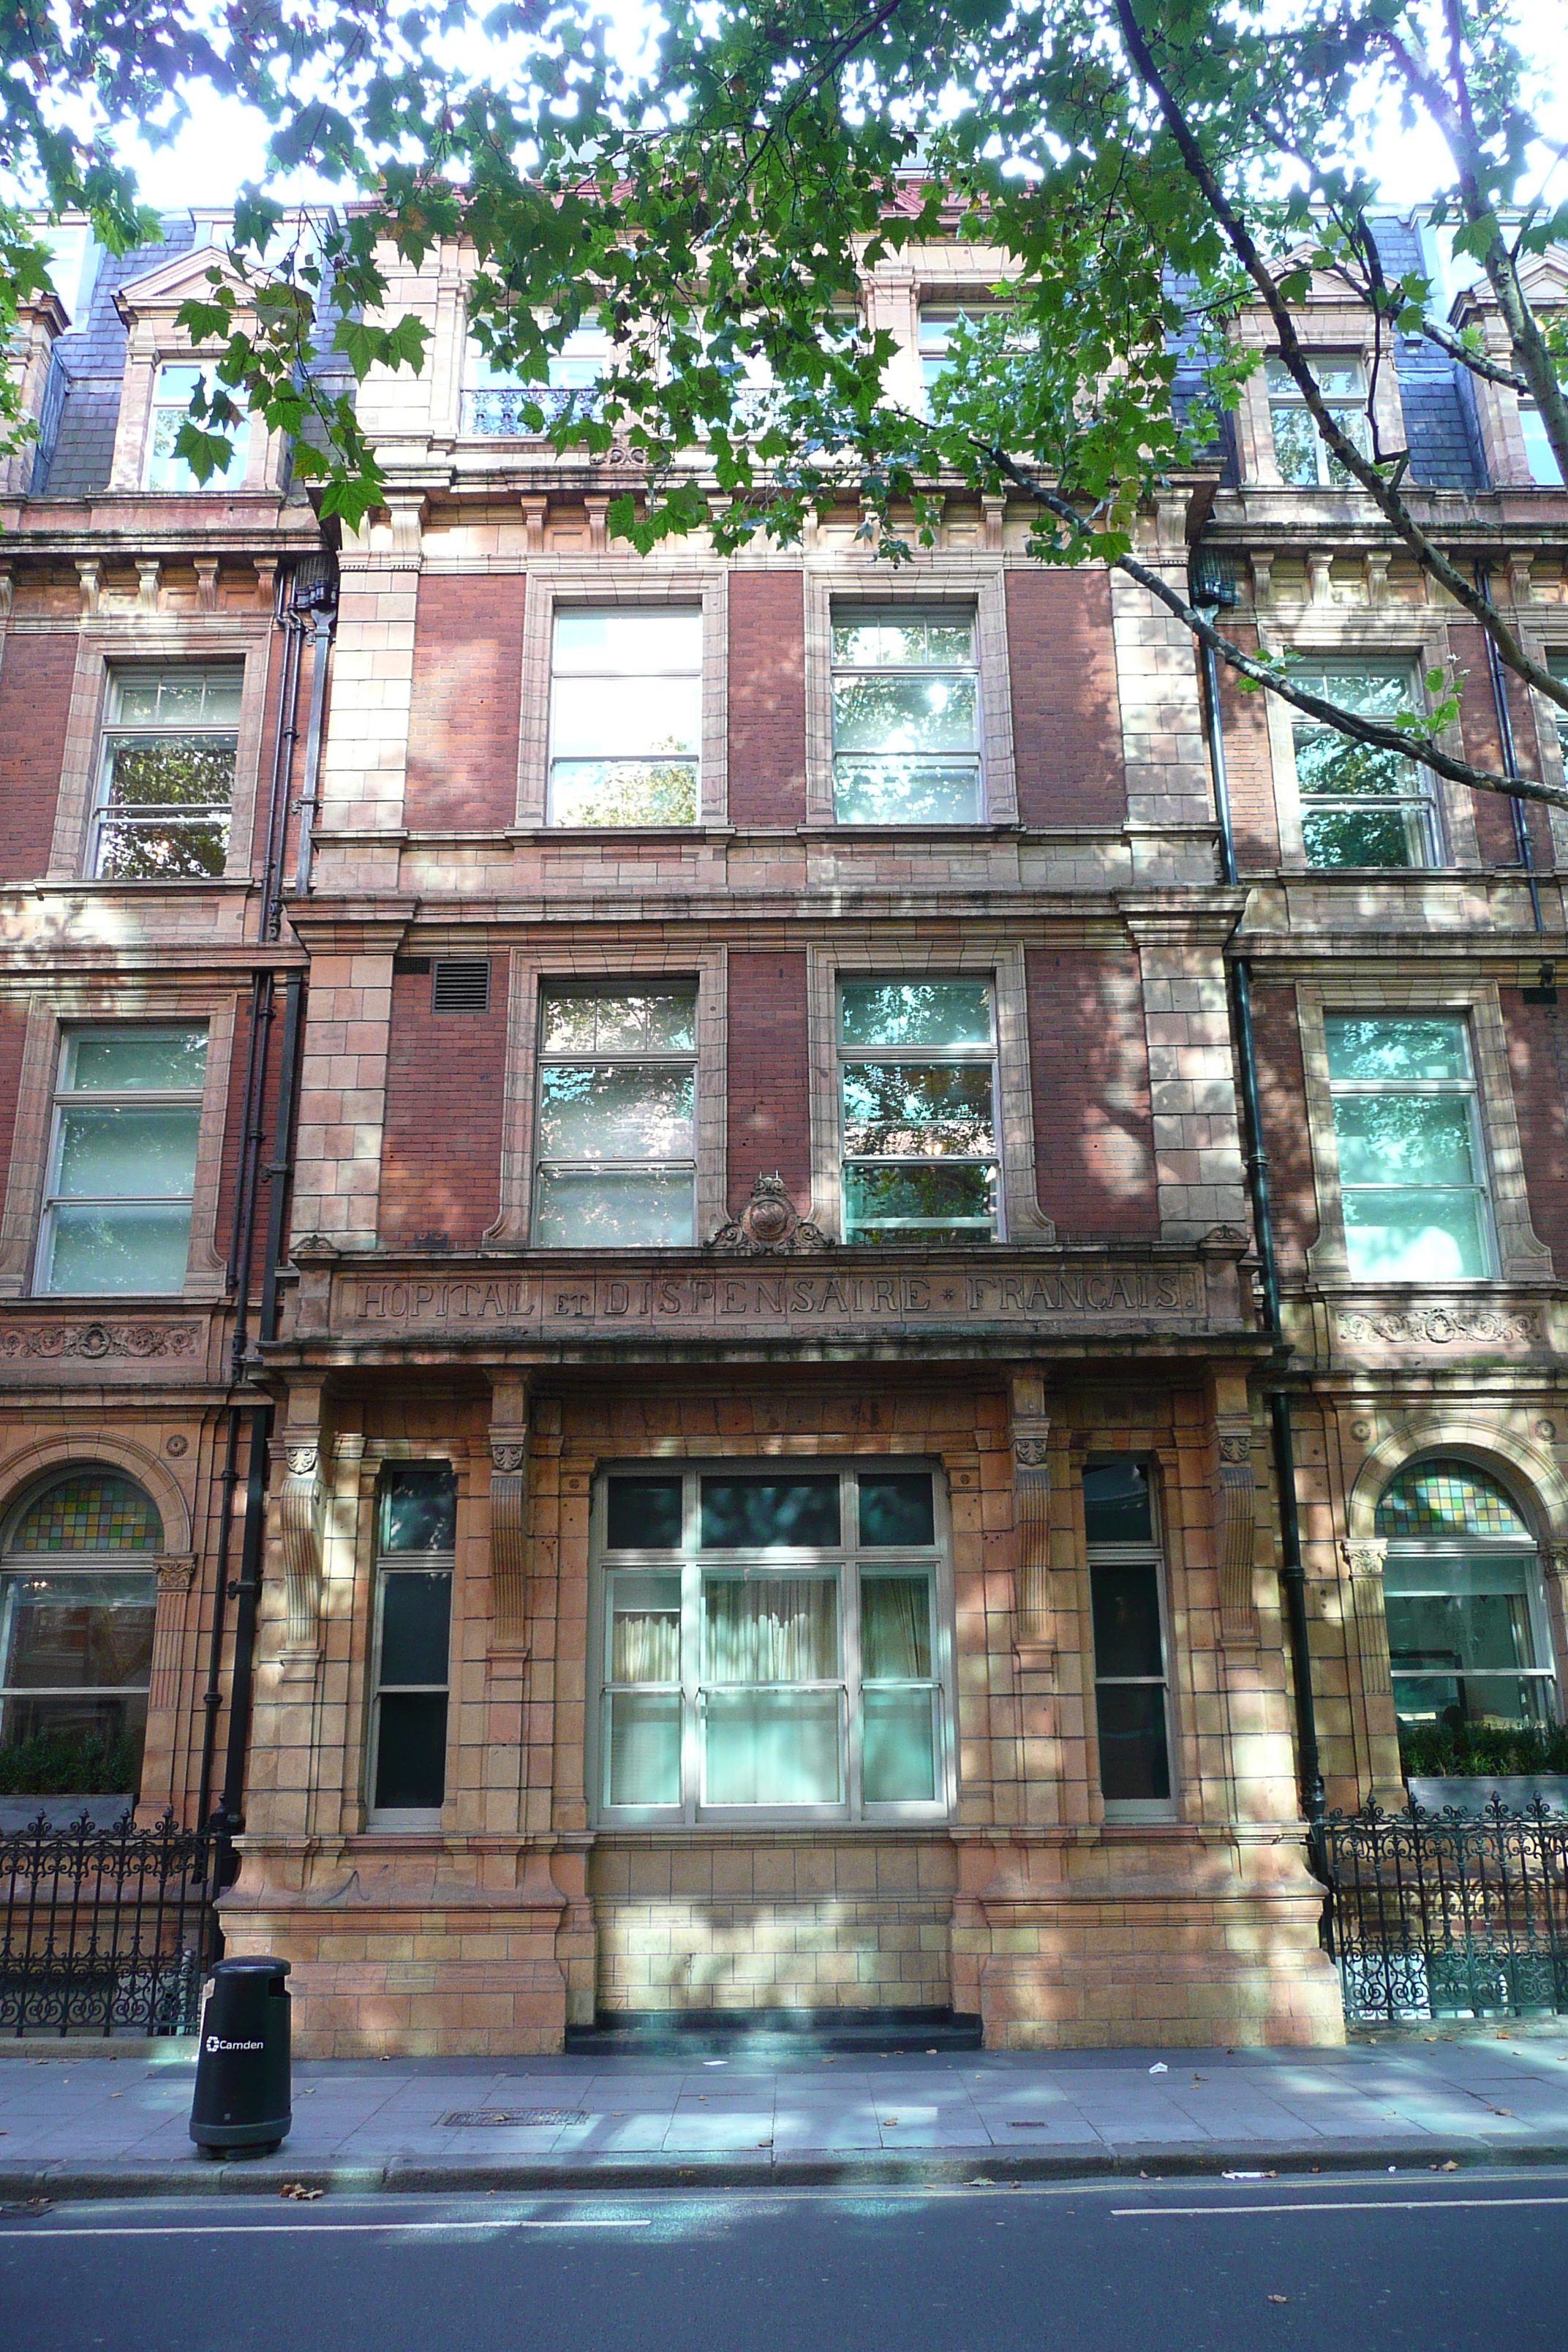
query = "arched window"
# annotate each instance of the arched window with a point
(1467, 1623)
(78, 1596)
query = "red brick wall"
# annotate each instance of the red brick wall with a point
(12, 1035)
(467, 702)
(767, 697)
(35, 679)
(1538, 1061)
(1090, 1071)
(440, 1163)
(769, 1116)
(1477, 721)
(1281, 1086)
(1067, 726)
(1248, 767)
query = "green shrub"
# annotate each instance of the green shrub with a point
(1447, 1751)
(69, 1764)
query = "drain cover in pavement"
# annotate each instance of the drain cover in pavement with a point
(502, 2118)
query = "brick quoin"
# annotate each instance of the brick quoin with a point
(1248, 764)
(1094, 1147)
(1477, 722)
(769, 1120)
(1067, 722)
(1282, 1093)
(767, 697)
(467, 702)
(440, 1165)
(35, 680)
(1538, 1063)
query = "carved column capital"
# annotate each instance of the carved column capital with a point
(1030, 1432)
(300, 1504)
(175, 1572)
(1364, 1556)
(508, 1515)
(1236, 1529)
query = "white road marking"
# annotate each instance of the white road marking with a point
(41, 2229)
(1437, 2203)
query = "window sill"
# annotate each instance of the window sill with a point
(777, 1826)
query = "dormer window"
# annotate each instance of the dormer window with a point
(177, 382)
(495, 399)
(1539, 453)
(1300, 452)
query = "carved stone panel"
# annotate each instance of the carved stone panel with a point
(1365, 1560)
(1236, 1530)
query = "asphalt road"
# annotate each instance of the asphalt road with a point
(1474, 2263)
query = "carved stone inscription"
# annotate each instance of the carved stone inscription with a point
(793, 1302)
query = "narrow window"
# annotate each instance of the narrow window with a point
(625, 715)
(417, 1538)
(166, 774)
(1412, 1169)
(1467, 1636)
(499, 405)
(1131, 1682)
(617, 1155)
(917, 1091)
(78, 1598)
(122, 1161)
(1539, 455)
(772, 1642)
(936, 328)
(172, 396)
(1299, 451)
(906, 717)
(1360, 806)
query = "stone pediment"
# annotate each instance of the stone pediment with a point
(181, 279)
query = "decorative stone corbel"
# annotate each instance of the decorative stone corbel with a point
(534, 511)
(1235, 1493)
(770, 1226)
(89, 573)
(1364, 1558)
(1377, 562)
(1262, 562)
(508, 1517)
(598, 511)
(149, 572)
(993, 515)
(1320, 578)
(300, 1508)
(206, 584)
(175, 1572)
(1031, 1431)
(314, 1256)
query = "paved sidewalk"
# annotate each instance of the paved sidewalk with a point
(75, 2119)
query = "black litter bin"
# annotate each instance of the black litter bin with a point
(242, 2098)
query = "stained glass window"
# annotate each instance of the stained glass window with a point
(1446, 1498)
(1467, 1639)
(89, 1510)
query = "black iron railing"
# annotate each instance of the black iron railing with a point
(1448, 1914)
(103, 1930)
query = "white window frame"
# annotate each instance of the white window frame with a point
(1138, 1555)
(987, 1057)
(1420, 808)
(383, 1564)
(141, 1563)
(618, 684)
(845, 1561)
(1466, 1089)
(115, 732)
(895, 613)
(236, 475)
(688, 1059)
(64, 1098)
(1281, 391)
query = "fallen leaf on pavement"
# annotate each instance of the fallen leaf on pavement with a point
(1449, 2166)
(1279, 2298)
(297, 2194)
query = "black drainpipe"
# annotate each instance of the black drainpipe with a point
(1211, 588)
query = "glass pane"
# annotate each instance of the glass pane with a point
(1134, 1765)
(1395, 1049)
(411, 1751)
(762, 1513)
(629, 638)
(107, 1061)
(170, 773)
(1126, 1607)
(643, 1514)
(1117, 1507)
(132, 849)
(89, 1510)
(644, 1629)
(1459, 1630)
(1403, 1138)
(623, 792)
(906, 791)
(1295, 445)
(118, 1152)
(87, 1744)
(644, 1745)
(1440, 1498)
(606, 1207)
(416, 1625)
(773, 1748)
(895, 1629)
(1361, 838)
(625, 1022)
(1540, 455)
(1495, 1700)
(419, 1508)
(592, 717)
(610, 1111)
(950, 1199)
(769, 1629)
(897, 1747)
(1374, 693)
(92, 1250)
(895, 1507)
(1327, 763)
(910, 1110)
(1412, 1571)
(77, 1632)
(894, 713)
(870, 639)
(915, 1012)
(1415, 1236)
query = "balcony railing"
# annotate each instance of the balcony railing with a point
(104, 1931)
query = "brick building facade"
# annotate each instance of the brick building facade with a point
(769, 1499)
